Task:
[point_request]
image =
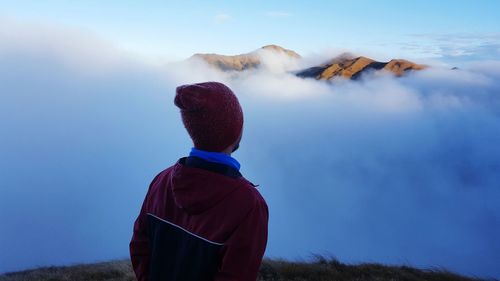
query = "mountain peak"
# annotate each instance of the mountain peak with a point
(279, 49)
(243, 61)
(347, 66)
(273, 47)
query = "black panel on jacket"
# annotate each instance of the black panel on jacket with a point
(177, 254)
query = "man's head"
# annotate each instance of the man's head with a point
(212, 115)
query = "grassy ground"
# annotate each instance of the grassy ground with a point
(272, 270)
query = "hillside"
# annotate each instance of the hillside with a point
(243, 61)
(352, 68)
(271, 270)
(345, 66)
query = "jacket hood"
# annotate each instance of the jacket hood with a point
(198, 185)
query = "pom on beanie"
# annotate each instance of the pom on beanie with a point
(211, 114)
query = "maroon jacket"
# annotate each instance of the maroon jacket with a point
(200, 221)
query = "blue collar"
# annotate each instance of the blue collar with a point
(217, 157)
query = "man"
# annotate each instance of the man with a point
(201, 219)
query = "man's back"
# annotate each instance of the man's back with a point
(200, 221)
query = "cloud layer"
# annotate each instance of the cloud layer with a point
(455, 47)
(384, 170)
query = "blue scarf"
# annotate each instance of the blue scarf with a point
(217, 157)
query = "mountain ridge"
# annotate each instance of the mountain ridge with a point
(345, 65)
(242, 61)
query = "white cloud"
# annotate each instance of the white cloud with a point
(455, 47)
(92, 51)
(222, 17)
(278, 14)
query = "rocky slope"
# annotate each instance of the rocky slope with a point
(343, 66)
(353, 68)
(243, 61)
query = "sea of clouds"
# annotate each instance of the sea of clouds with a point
(390, 170)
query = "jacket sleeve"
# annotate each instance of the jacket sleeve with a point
(139, 245)
(243, 251)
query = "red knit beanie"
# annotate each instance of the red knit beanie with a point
(211, 114)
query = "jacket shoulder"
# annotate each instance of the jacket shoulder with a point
(160, 177)
(249, 196)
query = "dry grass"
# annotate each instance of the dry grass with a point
(272, 270)
(109, 271)
(330, 269)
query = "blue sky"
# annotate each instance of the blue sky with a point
(177, 29)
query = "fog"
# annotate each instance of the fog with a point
(390, 170)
